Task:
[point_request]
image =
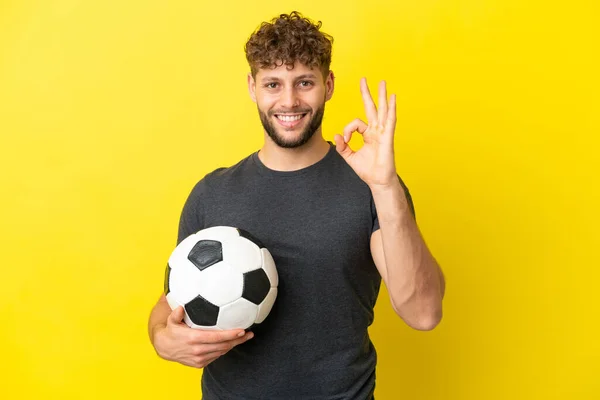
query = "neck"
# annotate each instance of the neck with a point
(282, 159)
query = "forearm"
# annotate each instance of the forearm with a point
(414, 279)
(158, 316)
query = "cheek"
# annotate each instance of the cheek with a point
(318, 94)
(265, 103)
(317, 100)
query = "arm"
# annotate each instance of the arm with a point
(171, 338)
(158, 316)
(414, 279)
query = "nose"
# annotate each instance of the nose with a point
(289, 98)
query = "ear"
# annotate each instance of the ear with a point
(252, 87)
(329, 85)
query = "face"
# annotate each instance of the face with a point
(291, 102)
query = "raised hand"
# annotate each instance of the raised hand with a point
(374, 162)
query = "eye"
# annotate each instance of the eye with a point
(271, 85)
(306, 83)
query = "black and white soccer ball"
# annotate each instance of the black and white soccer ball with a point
(223, 277)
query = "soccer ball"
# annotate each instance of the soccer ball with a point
(223, 277)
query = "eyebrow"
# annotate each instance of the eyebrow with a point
(303, 76)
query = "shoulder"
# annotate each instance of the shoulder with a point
(359, 186)
(346, 176)
(221, 176)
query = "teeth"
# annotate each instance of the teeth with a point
(286, 118)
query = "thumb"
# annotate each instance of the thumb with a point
(341, 146)
(176, 316)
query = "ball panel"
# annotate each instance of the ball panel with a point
(265, 307)
(256, 286)
(202, 312)
(206, 253)
(237, 315)
(269, 266)
(179, 256)
(220, 284)
(189, 323)
(250, 237)
(219, 233)
(172, 301)
(183, 282)
(242, 254)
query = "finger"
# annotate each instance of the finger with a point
(213, 354)
(223, 346)
(203, 362)
(342, 147)
(176, 316)
(382, 104)
(358, 125)
(228, 345)
(243, 339)
(210, 357)
(390, 124)
(370, 109)
(200, 336)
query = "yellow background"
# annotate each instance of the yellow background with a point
(111, 110)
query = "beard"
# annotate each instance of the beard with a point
(313, 125)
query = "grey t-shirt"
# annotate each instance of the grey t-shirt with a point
(317, 223)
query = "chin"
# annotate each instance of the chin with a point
(293, 136)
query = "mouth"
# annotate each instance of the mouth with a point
(290, 120)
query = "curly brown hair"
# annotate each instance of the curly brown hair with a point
(287, 39)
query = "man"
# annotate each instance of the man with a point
(336, 221)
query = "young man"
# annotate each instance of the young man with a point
(336, 221)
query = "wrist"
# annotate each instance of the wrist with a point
(385, 189)
(391, 202)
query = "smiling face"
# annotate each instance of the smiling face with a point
(290, 102)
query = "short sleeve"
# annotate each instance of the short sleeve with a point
(191, 219)
(408, 198)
